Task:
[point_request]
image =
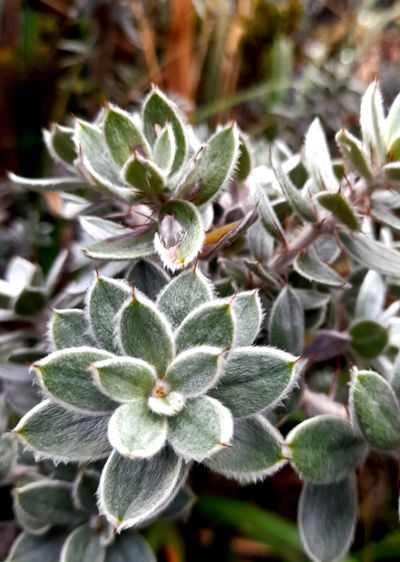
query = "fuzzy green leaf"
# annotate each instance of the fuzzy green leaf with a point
(213, 166)
(105, 299)
(8, 454)
(84, 491)
(376, 410)
(138, 246)
(180, 234)
(247, 312)
(28, 522)
(130, 547)
(158, 111)
(372, 254)
(68, 329)
(254, 378)
(268, 216)
(165, 148)
(143, 332)
(60, 143)
(201, 429)
(309, 265)
(183, 294)
(122, 135)
(353, 150)
(371, 296)
(135, 431)
(372, 122)
(294, 196)
(30, 301)
(209, 324)
(368, 338)
(325, 449)
(244, 162)
(30, 548)
(83, 545)
(327, 518)
(124, 378)
(133, 490)
(286, 322)
(255, 451)
(65, 375)
(101, 229)
(98, 162)
(63, 435)
(144, 175)
(148, 278)
(49, 501)
(392, 123)
(195, 370)
(339, 207)
(318, 160)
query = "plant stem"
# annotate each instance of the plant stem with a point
(281, 261)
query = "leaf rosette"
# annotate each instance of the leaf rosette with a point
(156, 385)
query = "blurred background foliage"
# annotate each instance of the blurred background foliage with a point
(270, 65)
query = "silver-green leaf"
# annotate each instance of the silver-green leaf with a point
(123, 248)
(180, 234)
(376, 410)
(68, 329)
(104, 300)
(49, 501)
(133, 490)
(122, 135)
(63, 435)
(8, 454)
(195, 370)
(124, 378)
(318, 160)
(143, 332)
(325, 449)
(209, 324)
(255, 451)
(158, 111)
(130, 547)
(213, 166)
(372, 254)
(310, 266)
(326, 519)
(66, 377)
(286, 322)
(83, 545)
(183, 294)
(254, 378)
(248, 316)
(135, 431)
(202, 428)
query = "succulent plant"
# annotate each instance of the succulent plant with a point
(153, 374)
(154, 163)
(155, 386)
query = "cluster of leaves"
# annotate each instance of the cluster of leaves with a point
(149, 374)
(61, 522)
(156, 386)
(154, 162)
